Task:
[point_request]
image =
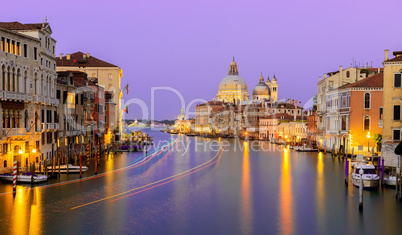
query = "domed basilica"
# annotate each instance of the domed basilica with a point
(233, 88)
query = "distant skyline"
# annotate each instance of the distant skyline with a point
(188, 45)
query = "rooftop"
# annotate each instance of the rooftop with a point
(80, 59)
(374, 81)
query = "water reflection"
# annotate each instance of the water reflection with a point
(320, 190)
(246, 197)
(285, 196)
(35, 225)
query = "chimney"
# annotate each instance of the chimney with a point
(319, 79)
(68, 56)
(340, 73)
(61, 56)
(325, 75)
(386, 54)
(379, 70)
(84, 56)
(299, 103)
(88, 55)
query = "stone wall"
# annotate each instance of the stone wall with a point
(387, 152)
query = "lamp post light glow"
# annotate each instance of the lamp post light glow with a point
(368, 141)
(20, 151)
(34, 150)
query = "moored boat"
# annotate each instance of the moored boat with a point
(25, 177)
(370, 177)
(304, 148)
(71, 168)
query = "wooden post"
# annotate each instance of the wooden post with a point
(346, 171)
(58, 163)
(75, 162)
(80, 165)
(31, 165)
(45, 168)
(54, 166)
(96, 165)
(361, 190)
(67, 164)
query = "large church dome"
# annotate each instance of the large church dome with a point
(232, 88)
(261, 90)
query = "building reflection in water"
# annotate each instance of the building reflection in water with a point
(285, 197)
(246, 194)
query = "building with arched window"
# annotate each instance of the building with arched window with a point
(353, 112)
(27, 93)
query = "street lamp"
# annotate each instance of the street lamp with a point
(368, 141)
(34, 150)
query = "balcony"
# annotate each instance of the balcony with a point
(14, 131)
(56, 126)
(50, 126)
(380, 123)
(29, 97)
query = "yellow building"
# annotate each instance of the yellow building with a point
(390, 119)
(233, 88)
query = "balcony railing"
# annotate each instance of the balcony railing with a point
(14, 131)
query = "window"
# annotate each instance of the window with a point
(366, 123)
(58, 94)
(343, 123)
(396, 135)
(347, 74)
(381, 113)
(367, 100)
(109, 87)
(344, 102)
(94, 75)
(3, 44)
(110, 76)
(26, 146)
(35, 53)
(64, 97)
(397, 80)
(397, 112)
(25, 50)
(330, 84)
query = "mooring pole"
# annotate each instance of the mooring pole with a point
(346, 171)
(15, 178)
(361, 190)
(81, 165)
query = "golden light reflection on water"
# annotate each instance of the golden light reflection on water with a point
(285, 196)
(320, 190)
(246, 196)
(26, 213)
(35, 225)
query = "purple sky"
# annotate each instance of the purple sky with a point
(188, 45)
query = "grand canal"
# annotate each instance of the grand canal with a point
(191, 187)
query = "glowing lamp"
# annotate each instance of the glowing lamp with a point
(20, 151)
(34, 150)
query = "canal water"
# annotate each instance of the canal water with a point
(193, 187)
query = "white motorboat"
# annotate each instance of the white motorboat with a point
(358, 160)
(24, 178)
(370, 178)
(304, 148)
(71, 168)
(390, 180)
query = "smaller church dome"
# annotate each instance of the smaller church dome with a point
(261, 90)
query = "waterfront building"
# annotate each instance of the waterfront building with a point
(311, 124)
(204, 115)
(327, 84)
(27, 93)
(352, 113)
(110, 117)
(232, 88)
(392, 101)
(108, 75)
